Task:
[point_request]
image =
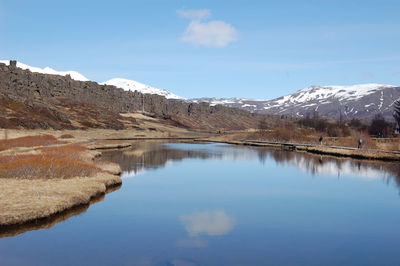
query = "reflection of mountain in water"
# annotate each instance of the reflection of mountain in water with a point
(326, 165)
(151, 155)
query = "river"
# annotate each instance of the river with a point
(214, 204)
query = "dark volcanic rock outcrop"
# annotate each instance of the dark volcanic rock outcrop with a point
(27, 98)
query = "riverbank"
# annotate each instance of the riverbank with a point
(339, 151)
(42, 181)
(44, 173)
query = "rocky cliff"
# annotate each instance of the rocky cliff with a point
(37, 100)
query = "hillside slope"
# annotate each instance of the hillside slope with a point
(35, 100)
(358, 101)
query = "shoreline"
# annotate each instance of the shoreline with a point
(55, 218)
(28, 201)
(87, 190)
(347, 152)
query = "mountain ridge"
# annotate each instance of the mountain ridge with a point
(332, 101)
(355, 101)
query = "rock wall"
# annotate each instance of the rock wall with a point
(25, 86)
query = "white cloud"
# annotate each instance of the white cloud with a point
(212, 223)
(213, 33)
(195, 14)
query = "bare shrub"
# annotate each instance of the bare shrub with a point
(44, 167)
(29, 141)
(379, 127)
(396, 113)
(67, 136)
(72, 151)
(53, 162)
(282, 134)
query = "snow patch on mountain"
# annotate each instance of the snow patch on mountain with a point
(47, 70)
(226, 101)
(348, 93)
(360, 101)
(131, 85)
(325, 94)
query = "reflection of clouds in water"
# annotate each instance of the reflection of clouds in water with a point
(212, 223)
(208, 223)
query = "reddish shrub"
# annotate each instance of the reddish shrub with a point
(29, 141)
(43, 167)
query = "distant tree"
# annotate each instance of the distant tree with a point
(379, 127)
(263, 124)
(340, 117)
(315, 122)
(332, 130)
(321, 125)
(355, 123)
(396, 113)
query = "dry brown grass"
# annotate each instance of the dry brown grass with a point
(73, 151)
(286, 134)
(50, 180)
(53, 162)
(28, 141)
(392, 144)
(352, 142)
(27, 200)
(310, 136)
(355, 153)
(44, 167)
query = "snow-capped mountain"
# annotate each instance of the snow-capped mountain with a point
(356, 101)
(131, 85)
(47, 70)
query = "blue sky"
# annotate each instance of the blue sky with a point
(238, 48)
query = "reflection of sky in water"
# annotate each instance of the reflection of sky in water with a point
(212, 223)
(206, 223)
(228, 205)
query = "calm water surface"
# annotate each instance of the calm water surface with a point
(213, 204)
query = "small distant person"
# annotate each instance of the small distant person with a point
(320, 140)
(360, 143)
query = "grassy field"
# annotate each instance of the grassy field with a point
(48, 178)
